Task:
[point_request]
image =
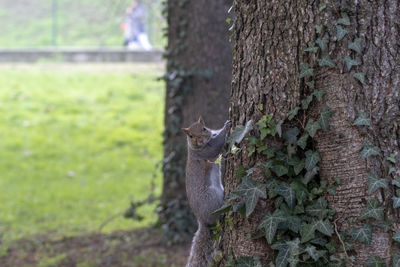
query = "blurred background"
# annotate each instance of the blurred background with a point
(85, 23)
(80, 136)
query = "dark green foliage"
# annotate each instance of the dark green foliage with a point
(326, 61)
(374, 183)
(291, 135)
(360, 76)
(369, 150)
(373, 210)
(319, 209)
(248, 262)
(375, 261)
(306, 71)
(344, 20)
(341, 32)
(293, 113)
(362, 234)
(362, 120)
(239, 133)
(269, 224)
(312, 127)
(326, 114)
(283, 189)
(356, 45)
(312, 158)
(396, 236)
(312, 49)
(322, 43)
(318, 94)
(251, 191)
(306, 102)
(350, 62)
(396, 259)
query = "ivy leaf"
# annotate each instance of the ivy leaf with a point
(356, 45)
(248, 262)
(344, 20)
(279, 170)
(341, 32)
(312, 127)
(283, 189)
(362, 120)
(293, 223)
(318, 28)
(372, 210)
(251, 191)
(302, 142)
(240, 132)
(369, 150)
(225, 208)
(396, 182)
(363, 234)
(270, 224)
(301, 191)
(386, 226)
(309, 175)
(326, 113)
(375, 261)
(322, 6)
(326, 61)
(306, 71)
(396, 202)
(294, 252)
(350, 62)
(396, 259)
(311, 84)
(307, 232)
(318, 209)
(322, 43)
(283, 256)
(392, 158)
(319, 94)
(271, 184)
(298, 165)
(314, 253)
(312, 158)
(293, 113)
(374, 183)
(312, 49)
(324, 227)
(291, 135)
(360, 76)
(396, 236)
(306, 102)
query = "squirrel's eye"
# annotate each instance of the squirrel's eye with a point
(190, 136)
(204, 129)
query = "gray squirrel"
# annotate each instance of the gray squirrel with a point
(203, 186)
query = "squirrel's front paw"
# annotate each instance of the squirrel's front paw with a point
(228, 124)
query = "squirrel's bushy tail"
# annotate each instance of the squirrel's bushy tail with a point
(201, 253)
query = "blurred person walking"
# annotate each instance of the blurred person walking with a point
(134, 27)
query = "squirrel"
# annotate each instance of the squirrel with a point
(203, 186)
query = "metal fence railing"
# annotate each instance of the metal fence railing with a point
(86, 23)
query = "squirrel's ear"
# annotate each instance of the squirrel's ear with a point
(200, 120)
(185, 130)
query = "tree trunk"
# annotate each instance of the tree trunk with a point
(198, 76)
(270, 40)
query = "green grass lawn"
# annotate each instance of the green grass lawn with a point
(76, 144)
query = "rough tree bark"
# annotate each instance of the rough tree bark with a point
(199, 69)
(270, 38)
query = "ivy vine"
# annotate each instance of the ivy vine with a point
(301, 229)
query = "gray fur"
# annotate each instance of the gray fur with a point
(205, 193)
